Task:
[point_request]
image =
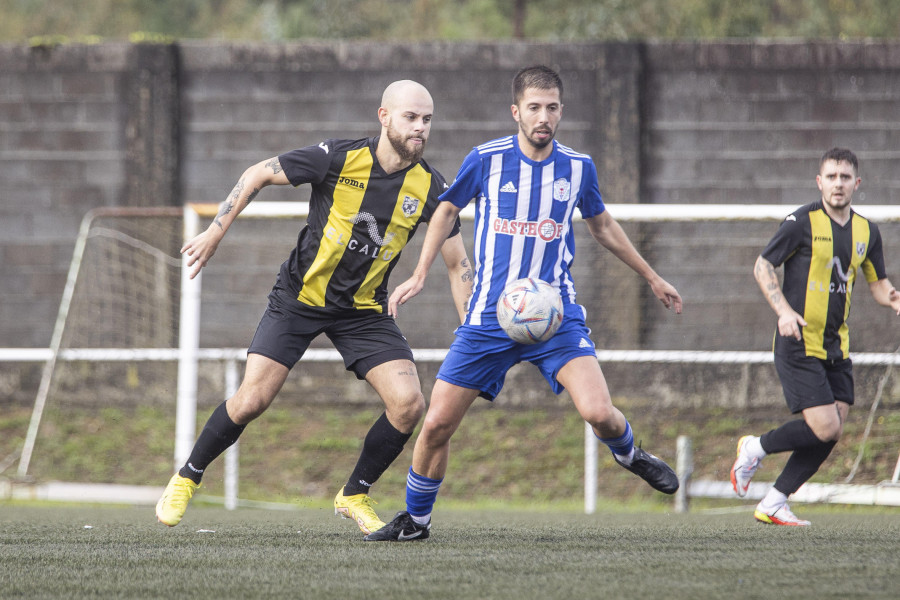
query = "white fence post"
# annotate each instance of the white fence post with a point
(684, 467)
(188, 346)
(231, 455)
(590, 469)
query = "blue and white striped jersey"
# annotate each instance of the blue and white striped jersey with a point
(523, 217)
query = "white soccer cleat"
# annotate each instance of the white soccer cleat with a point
(781, 516)
(744, 467)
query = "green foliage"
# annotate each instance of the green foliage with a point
(419, 20)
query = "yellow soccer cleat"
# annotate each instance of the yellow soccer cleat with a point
(359, 508)
(174, 501)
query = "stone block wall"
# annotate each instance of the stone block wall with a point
(681, 122)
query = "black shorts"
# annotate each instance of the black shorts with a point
(808, 381)
(365, 339)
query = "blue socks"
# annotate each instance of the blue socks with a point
(622, 445)
(421, 492)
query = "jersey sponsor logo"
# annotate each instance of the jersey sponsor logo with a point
(372, 224)
(832, 287)
(410, 205)
(351, 182)
(790, 218)
(371, 250)
(822, 238)
(547, 230)
(324, 147)
(561, 189)
(510, 187)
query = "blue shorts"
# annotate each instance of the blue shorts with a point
(481, 355)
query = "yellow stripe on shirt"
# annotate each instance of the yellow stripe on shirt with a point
(338, 229)
(408, 207)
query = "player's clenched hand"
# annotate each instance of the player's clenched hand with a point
(405, 291)
(200, 249)
(789, 325)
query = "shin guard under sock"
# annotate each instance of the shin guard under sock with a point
(793, 435)
(218, 434)
(383, 444)
(802, 465)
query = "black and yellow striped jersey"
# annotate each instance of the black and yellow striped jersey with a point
(821, 259)
(360, 219)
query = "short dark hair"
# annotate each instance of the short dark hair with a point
(537, 76)
(840, 155)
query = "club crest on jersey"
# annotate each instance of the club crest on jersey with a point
(860, 248)
(410, 206)
(561, 188)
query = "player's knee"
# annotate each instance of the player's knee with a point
(407, 411)
(828, 431)
(436, 432)
(601, 416)
(245, 407)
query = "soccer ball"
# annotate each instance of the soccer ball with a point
(530, 311)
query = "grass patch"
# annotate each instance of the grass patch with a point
(518, 455)
(88, 552)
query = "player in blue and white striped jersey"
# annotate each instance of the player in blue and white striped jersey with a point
(526, 187)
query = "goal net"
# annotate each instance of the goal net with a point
(138, 348)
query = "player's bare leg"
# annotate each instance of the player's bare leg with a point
(584, 380)
(449, 404)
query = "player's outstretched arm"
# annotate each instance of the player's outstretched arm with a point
(611, 236)
(790, 323)
(460, 272)
(439, 227)
(202, 248)
(886, 294)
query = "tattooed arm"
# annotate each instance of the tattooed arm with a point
(460, 272)
(202, 248)
(789, 321)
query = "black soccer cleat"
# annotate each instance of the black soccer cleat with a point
(653, 470)
(401, 529)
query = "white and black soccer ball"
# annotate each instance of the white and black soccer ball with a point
(530, 310)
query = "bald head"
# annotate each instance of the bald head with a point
(405, 115)
(405, 91)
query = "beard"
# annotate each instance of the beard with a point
(398, 143)
(536, 143)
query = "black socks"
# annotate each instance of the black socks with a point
(809, 452)
(793, 435)
(383, 444)
(218, 434)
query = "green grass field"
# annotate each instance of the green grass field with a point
(51, 551)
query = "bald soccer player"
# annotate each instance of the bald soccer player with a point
(368, 198)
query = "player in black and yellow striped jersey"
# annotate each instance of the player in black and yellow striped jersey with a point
(823, 246)
(369, 197)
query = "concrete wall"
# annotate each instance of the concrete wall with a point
(147, 125)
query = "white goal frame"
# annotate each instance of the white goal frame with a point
(188, 354)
